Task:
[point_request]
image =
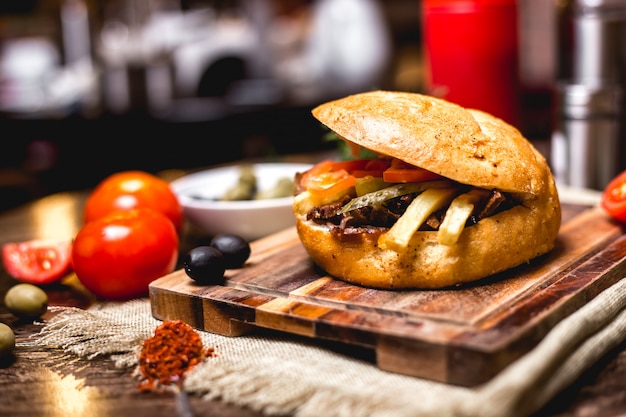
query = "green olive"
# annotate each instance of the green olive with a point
(245, 188)
(7, 340)
(282, 188)
(26, 301)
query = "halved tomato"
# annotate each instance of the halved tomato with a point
(38, 262)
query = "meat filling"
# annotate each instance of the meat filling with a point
(385, 215)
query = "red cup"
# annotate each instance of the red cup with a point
(472, 54)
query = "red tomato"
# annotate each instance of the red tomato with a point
(400, 171)
(130, 190)
(350, 165)
(37, 262)
(360, 168)
(373, 168)
(117, 256)
(614, 198)
(409, 175)
(328, 178)
(323, 180)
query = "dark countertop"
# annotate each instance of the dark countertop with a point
(49, 382)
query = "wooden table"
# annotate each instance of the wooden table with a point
(48, 382)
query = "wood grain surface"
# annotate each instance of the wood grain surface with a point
(47, 382)
(463, 335)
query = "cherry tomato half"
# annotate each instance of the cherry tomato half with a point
(37, 262)
(614, 198)
(133, 189)
(117, 256)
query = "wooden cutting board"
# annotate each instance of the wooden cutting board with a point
(462, 336)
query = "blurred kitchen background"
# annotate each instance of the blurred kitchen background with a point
(90, 87)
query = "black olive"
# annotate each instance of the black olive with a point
(236, 250)
(205, 265)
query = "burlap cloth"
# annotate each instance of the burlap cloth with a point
(281, 374)
(288, 375)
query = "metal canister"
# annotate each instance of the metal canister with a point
(588, 140)
(587, 151)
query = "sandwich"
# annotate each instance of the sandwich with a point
(433, 196)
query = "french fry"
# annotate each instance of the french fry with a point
(457, 214)
(431, 200)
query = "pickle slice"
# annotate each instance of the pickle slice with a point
(377, 198)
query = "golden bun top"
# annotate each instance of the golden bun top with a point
(465, 145)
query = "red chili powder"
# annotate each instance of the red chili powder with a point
(174, 349)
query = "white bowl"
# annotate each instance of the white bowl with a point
(199, 195)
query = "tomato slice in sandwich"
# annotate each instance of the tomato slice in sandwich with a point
(323, 179)
(400, 171)
(372, 167)
(328, 177)
(37, 262)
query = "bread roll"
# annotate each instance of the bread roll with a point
(469, 147)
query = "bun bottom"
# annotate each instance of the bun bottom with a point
(494, 244)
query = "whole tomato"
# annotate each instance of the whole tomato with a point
(133, 189)
(117, 256)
